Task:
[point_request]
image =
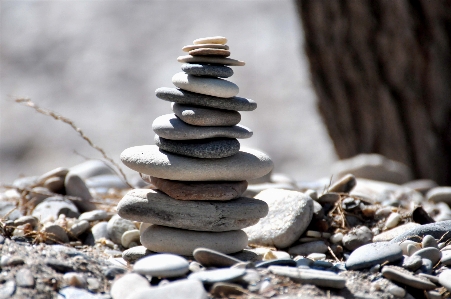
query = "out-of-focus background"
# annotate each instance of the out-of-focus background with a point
(98, 63)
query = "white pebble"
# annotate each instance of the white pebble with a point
(392, 220)
(129, 237)
(397, 291)
(273, 255)
(336, 238)
(316, 256)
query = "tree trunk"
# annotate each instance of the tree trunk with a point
(382, 74)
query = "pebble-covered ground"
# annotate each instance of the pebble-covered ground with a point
(61, 237)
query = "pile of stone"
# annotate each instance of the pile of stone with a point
(197, 164)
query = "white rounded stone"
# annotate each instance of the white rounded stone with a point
(210, 86)
(211, 40)
(162, 265)
(129, 237)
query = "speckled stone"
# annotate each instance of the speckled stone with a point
(149, 159)
(209, 52)
(372, 254)
(211, 40)
(155, 207)
(182, 190)
(204, 85)
(171, 127)
(198, 116)
(208, 70)
(209, 46)
(190, 98)
(210, 148)
(210, 59)
(437, 230)
(184, 242)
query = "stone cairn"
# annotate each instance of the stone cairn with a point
(197, 164)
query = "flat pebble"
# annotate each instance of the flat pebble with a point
(430, 253)
(437, 230)
(272, 255)
(212, 258)
(76, 293)
(316, 256)
(402, 276)
(55, 234)
(290, 212)
(78, 228)
(60, 266)
(52, 207)
(25, 278)
(210, 60)
(91, 168)
(277, 262)
(306, 276)
(204, 85)
(209, 148)
(94, 215)
(162, 265)
(308, 248)
(371, 254)
(121, 287)
(343, 185)
(55, 184)
(7, 289)
(394, 232)
(211, 40)
(184, 242)
(357, 237)
(169, 126)
(439, 194)
(155, 207)
(180, 289)
(201, 116)
(133, 254)
(148, 159)
(446, 258)
(199, 46)
(57, 172)
(32, 220)
(445, 279)
(117, 226)
(191, 98)
(221, 71)
(223, 289)
(220, 275)
(102, 183)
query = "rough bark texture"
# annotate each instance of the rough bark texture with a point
(382, 73)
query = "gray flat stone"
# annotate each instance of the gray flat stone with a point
(53, 207)
(179, 241)
(372, 254)
(209, 52)
(162, 265)
(117, 226)
(446, 258)
(121, 287)
(200, 46)
(211, 148)
(205, 85)
(171, 127)
(405, 277)
(198, 116)
(212, 258)
(75, 186)
(210, 60)
(394, 232)
(182, 190)
(155, 207)
(437, 230)
(290, 212)
(94, 215)
(191, 98)
(430, 253)
(91, 168)
(78, 228)
(307, 276)
(220, 275)
(149, 159)
(445, 279)
(357, 237)
(106, 181)
(133, 254)
(221, 71)
(180, 289)
(100, 230)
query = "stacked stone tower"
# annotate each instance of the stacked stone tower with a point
(197, 163)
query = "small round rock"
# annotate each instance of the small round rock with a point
(162, 265)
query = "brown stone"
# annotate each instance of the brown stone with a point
(213, 190)
(209, 52)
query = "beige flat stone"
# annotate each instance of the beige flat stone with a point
(211, 40)
(179, 241)
(210, 86)
(149, 159)
(208, 46)
(206, 59)
(209, 52)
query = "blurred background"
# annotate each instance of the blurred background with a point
(98, 63)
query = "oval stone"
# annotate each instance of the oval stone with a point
(209, 46)
(211, 40)
(210, 148)
(209, 52)
(207, 70)
(171, 127)
(198, 116)
(184, 242)
(162, 265)
(210, 86)
(149, 159)
(155, 207)
(210, 59)
(185, 97)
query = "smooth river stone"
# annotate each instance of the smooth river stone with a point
(406, 277)
(211, 40)
(221, 71)
(171, 127)
(209, 52)
(210, 148)
(190, 98)
(210, 60)
(180, 241)
(181, 190)
(162, 265)
(439, 230)
(149, 159)
(209, 46)
(204, 85)
(150, 206)
(199, 116)
(372, 254)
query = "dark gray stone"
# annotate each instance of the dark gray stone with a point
(372, 254)
(191, 98)
(207, 70)
(210, 148)
(437, 230)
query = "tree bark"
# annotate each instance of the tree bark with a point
(382, 74)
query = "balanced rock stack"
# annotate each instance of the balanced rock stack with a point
(197, 164)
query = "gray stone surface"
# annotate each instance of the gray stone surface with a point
(394, 232)
(210, 60)
(405, 277)
(290, 212)
(180, 289)
(210, 277)
(204, 85)
(212, 258)
(100, 230)
(162, 265)
(221, 71)
(78, 228)
(53, 207)
(191, 98)
(437, 230)
(213, 190)
(430, 253)
(445, 279)
(24, 278)
(155, 207)
(357, 237)
(171, 127)
(7, 289)
(308, 276)
(55, 233)
(372, 254)
(106, 181)
(200, 116)
(200, 46)
(121, 287)
(149, 159)
(133, 254)
(439, 194)
(91, 168)
(75, 186)
(94, 215)
(209, 52)
(117, 226)
(179, 241)
(211, 148)
(211, 40)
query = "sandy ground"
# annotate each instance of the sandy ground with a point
(99, 63)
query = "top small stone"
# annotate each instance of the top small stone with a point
(211, 40)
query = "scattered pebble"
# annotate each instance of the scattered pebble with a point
(162, 265)
(212, 258)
